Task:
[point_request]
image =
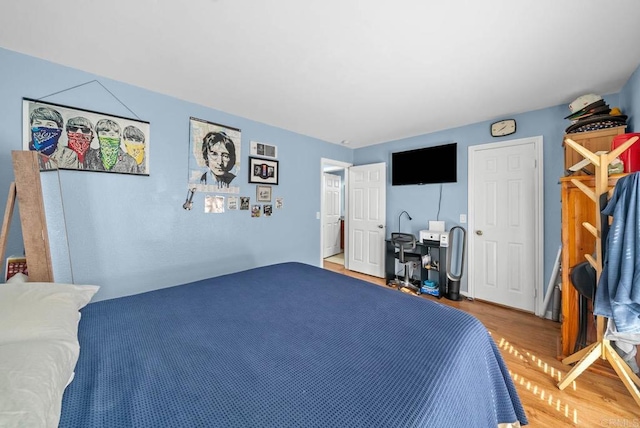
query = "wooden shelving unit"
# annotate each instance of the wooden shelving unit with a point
(601, 349)
(577, 208)
(593, 141)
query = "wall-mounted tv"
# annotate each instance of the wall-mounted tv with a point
(436, 164)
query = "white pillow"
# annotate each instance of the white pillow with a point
(38, 349)
(41, 310)
(19, 277)
(33, 376)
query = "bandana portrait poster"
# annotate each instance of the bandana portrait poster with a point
(85, 140)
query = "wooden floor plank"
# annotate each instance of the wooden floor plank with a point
(529, 346)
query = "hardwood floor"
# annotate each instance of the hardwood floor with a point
(529, 346)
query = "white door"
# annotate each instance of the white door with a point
(505, 234)
(332, 195)
(367, 218)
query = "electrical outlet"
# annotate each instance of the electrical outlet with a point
(317, 215)
(463, 218)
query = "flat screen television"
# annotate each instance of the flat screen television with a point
(436, 164)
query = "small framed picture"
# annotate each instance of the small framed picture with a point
(244, 202)
(263, 171)
(232, 202)
(214, 204)
(263, 193)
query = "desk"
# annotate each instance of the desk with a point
(438, 254)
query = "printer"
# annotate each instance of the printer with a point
(435, 233)
(439, 236)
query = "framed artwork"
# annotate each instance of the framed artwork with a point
(263, 171)
(232, 202)
(263, 150)
(214, 204)
(244, 202)
(263, 193)
(85, 140)
(214, 157)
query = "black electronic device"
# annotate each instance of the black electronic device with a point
(435, 164)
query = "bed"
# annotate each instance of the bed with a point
(286, 345)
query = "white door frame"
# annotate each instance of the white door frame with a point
(539, 213)
(324, 162)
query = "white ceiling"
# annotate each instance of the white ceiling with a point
(366, 71)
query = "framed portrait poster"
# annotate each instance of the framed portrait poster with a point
(263, 171)
(263, 193)
(85, 140)
(214, 157)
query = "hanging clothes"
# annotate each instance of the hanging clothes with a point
(618, 291)
(624, 344)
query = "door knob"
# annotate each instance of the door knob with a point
(479, 232)
(380, 226)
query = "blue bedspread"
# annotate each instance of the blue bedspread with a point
(288, 345)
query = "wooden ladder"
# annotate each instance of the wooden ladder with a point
(26, 191)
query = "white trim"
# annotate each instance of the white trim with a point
(539, 221)
(324, 162)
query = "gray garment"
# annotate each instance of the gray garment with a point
(64, 157)
(142, 167)
(624, 344)
(125, 162)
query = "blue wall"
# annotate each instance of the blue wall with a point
(422, 201)
(130, 233)
(630, 101)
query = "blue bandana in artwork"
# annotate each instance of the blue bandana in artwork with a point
(44, 140)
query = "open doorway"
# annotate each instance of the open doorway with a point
(333, 212)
